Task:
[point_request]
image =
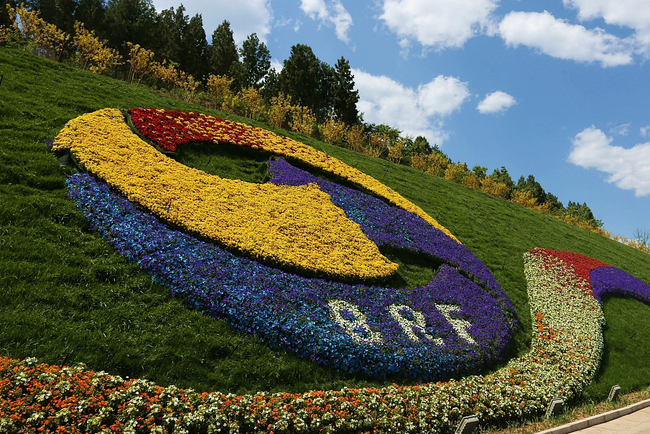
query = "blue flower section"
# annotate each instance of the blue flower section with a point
(613, 281)
(450, 327)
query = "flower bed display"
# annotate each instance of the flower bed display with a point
(565, 354)
(457, 325)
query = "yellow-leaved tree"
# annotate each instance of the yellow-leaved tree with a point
(253, 102)
(419, 161)
(47, 39)
(354, 138)
(96, 55)
(437, 164)
(280, 108)
(219, 88)
(396, 151)
(302, 120)
(140, 60)
(333, 131)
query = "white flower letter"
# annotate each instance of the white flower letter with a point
(410, 326)
(460, 325)
(351, 327)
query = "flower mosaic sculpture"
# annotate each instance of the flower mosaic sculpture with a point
(457, 325)
(460, 323)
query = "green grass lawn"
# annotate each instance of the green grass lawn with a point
(66, 296)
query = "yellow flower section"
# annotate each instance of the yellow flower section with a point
(286, 146)
(291, 226)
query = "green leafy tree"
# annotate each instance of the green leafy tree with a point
(418, 146)
(93, 14)
(344, 96)
(130, 21)
(307, 80)
(555, 206)
(480, 171)
(223, 55)
(256, 61)
(393, 134)
(533, 187)
(582, 212)
(502, 176)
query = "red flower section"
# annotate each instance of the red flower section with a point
(582, 265)
(172, 128)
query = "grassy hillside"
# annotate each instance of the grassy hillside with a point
(66, 296)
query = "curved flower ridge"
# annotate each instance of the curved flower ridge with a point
(565, 353)
(389, 226)
(293, 226)
(612, 281)
(171, 128)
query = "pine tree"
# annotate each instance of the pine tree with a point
(93, 14)
(307, 80)
(130, 21)
(57, 12)
(344, 96)
(223, 52)
(256, 61)
(170, 27)
(271, 87)
(5, 20)
(194, 54)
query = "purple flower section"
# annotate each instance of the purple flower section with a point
(391, 226)
(613, 281)
(291, 312)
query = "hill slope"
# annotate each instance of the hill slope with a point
(67, 296)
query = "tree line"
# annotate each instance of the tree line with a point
(129, 40)
(180, 41)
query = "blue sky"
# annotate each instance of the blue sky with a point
(559, 88)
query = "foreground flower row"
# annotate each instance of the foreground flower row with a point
(295, 227)
(566, 350)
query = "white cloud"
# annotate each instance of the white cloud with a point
(245, 16)
(629, 169)
(634, 14)
(621, 130)
(496, 102)
(417, 112)
(335, 14)
(288, 22)
(644, 131)
(557, 38)
(437, 23)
